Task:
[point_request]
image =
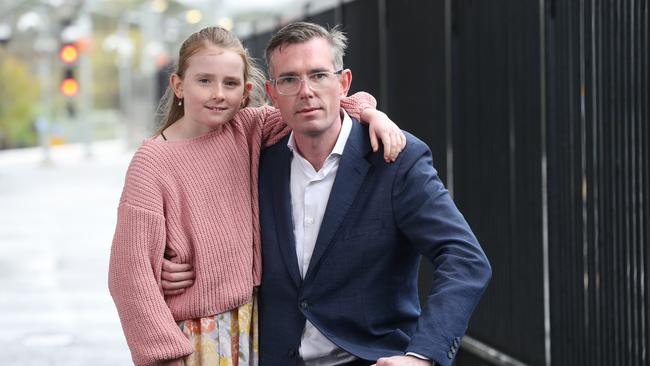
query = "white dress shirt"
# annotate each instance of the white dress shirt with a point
(310, 191)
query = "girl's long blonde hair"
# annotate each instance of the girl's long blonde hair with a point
(168, 109)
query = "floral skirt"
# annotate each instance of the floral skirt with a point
(227, 339)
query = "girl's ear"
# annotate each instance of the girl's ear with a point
(176, 83)
(248, 87)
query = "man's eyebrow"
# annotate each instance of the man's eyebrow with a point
(288, 73)
(320, 69)
(311, 71)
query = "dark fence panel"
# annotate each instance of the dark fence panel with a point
(497, 165)
(327, 19)
(256, 45)
(598, 182)
(416, 73)
(360, 22)
(468, 359)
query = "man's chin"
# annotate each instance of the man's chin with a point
(313, 133)
(312, 130)
(310, 123)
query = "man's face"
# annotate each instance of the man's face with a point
(309, 113)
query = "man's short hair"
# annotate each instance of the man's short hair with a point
(300, 32)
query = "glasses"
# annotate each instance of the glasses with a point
(320, 80)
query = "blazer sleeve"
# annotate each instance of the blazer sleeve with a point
(134, 277)
(427, 216)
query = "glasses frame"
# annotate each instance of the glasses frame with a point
(303, 79)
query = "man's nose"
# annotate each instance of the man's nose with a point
(305, 89)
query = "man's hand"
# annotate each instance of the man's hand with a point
(402, 361)
(382, 128)
(176, 277)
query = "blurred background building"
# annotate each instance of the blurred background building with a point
(536, 113)
(117, 51)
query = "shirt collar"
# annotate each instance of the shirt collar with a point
(346, 128)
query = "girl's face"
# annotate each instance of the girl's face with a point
(213, 88)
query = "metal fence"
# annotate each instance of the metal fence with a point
(537, 116)
(598, 144)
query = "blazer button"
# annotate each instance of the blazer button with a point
(292, 353)
(450, 355)
(304, 305)
(456, 342)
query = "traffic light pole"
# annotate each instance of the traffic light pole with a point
(86, 82)
(125, 82)
(45, 47)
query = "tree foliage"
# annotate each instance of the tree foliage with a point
(19, 91)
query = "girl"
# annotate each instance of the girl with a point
(193, 187)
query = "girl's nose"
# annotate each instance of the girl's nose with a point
(217, 92)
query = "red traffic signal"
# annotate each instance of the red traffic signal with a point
(69, 53)
(69, 87)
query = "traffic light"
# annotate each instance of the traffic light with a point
(69, 86)
(69, 54)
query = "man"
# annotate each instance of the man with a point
(343, 231)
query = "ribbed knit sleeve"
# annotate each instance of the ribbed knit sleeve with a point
(134, 274)
(268, 120)
(357, 102)
(273, 128)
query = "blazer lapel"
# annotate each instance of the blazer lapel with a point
(351, 173)
(283, 215)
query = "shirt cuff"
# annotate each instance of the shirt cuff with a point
(420, 357)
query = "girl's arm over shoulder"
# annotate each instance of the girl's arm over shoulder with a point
(382, 128)
(265, 119)
(363, 107)
(269, 121)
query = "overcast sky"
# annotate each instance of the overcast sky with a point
(244, 5)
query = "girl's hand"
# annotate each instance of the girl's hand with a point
(382, 128)
(176, 277)
(176, 362)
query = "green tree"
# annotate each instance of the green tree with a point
(19, 91)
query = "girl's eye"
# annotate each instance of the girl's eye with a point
(232, 83)
(204, 81)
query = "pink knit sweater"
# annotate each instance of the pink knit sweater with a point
(199, 197)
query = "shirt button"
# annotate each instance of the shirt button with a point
(309, 220)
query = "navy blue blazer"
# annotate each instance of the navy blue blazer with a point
(361, 287)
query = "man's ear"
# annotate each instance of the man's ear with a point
(270, 91)
(176, 84)
(346, 82)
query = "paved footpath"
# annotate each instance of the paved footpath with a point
(56, 226)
